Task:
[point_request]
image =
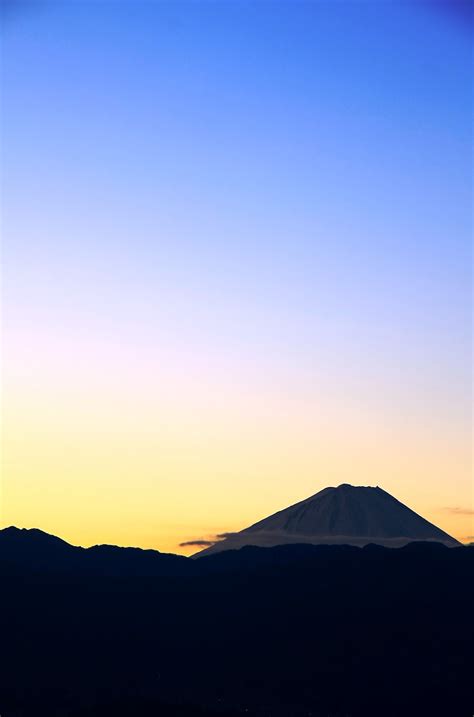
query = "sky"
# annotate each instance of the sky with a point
(236, 262)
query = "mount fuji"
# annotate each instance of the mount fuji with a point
(349, 515)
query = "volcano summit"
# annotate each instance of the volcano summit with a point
(350, 515)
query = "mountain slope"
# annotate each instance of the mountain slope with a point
(343, 515)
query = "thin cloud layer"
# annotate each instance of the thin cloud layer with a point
(206, 542)
(458, 511)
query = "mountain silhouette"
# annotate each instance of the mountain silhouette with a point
(349, 515)
(42, 552)
(288, 631)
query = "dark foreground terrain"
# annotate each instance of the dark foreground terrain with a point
(296, 630)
